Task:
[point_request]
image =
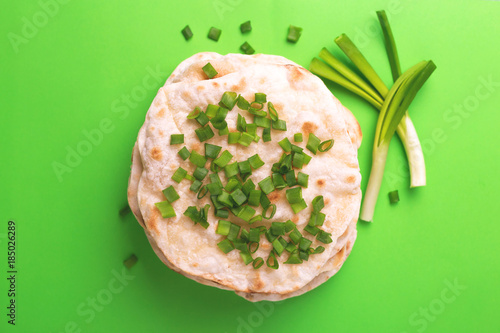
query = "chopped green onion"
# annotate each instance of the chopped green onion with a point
(271, 261)
(195, 113)
(204, 133)
(286, 164)
(318, 203)
(197, 159)
(293, 34)
(244, 167)
(266, 185)
(222, 213)
(278, 181)
(279, 125)
(195, 186)
(225, 246)
(233, 137)
(200, 173)
(202, 118)
(214, 34)
(304, 244)
(170, 194)
(313, 143)
(246, 213)
(286, 145)
(278, 228)
(278, 247)
(215, 188)
(223, 228)
(273, 211)
(266, 135)
(212, 151)
(238, 197)
(236, 210)
(264, 201)
(297, 149)
(295, 236)
(294, 195)
(256, 218)
(289, 226)
(324, 237)
(273, 114)
(225, 199)
(232, 184)
(251, 129)
(221, 126)
(219, 120)
(304, 255)
(217, 204)
(290, 178)
(242, 103)
(394, 196)
(299, 206)
(307, 158)
(260, 98)
(223, 159)
(319, 249)
(184, 153)
(254, 234)
(302, 179)
(325, 145)
(294, 258)
(176, 139)
(255, 161)
(258, 262)
(297, 137)
(189, 177)
(248, 187)
(247, 257)
(313, 230)
(254, 198)
(187, 33)
(241, 123)
(231, 170)
(316, 219)
(214, 178)
(202, 192)
(247, 48)
(198, 217)
(245, 27)
(209, 70)
(165, 209)
(224, 131)
(179, 175)
(234, 230)
(262, 122)
(228, 100)
(241, 243)
(211, 111)
(245, 139)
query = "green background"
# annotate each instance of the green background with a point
(75, 68)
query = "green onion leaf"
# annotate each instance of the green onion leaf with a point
(238, 197)
(246, 213)
(262, 122)
(244, 167)
(231, 170)
(393, 197)
(293, 34)
(324, 237)
(170, 194)
(294, 258)
(290, 178)
(209, 70)
(278, 247)
(247, 257)
(318, 203)
(223, 159)
(325, 145)
(271, 261)
(179, 175)
(302, 179)
(165, 209)
(278, 228)
(197, 159)
(278, 181)
(295, 236)
(241, 123)
(245, 27)
(225, 199)
(228, 100)
(304, 244)
(184, 153)
(254, 198)
(204, 133)
(313, 230)
(258, 262)
(286, 145)
(289, 226)
(187, 33)
(390, 44)
(200, 173)
(266, 210)
(225, 246)
(223, 228)
(279, 125)
(297, 137)
(233, 137)
(256, 218)
(202, 192)
(234, 230)
(214, 188)
(313, 143)
(255, 161)
(299, 206)
(294, 195)
(214, 34)
(266, 135)
(195, 186)
(247, 48)
(176, 139)
(212, 151)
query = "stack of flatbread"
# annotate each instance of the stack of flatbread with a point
(307, 106)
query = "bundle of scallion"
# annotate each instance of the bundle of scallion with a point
(392, 104)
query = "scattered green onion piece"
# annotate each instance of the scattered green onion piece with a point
(242, 103)
(224, 214)
(266, 135)
(176, 139)
(273, 211)
(254, 198)
(198, 217)
(195, 186)
(254, 234)
(221, 126)
(248, 187)
(189, 177)
(240, 244)
(311, 229)
(202, 119)
(289, 226)
(258, 262)
(285, 165)
(170, 194)
(215, 188)
(214, 178)
(212, 151)
(223, 159)
(278, 228)
(266, 185)
(202, 192)
(394, 197)
(262, 122)
(325, 145)
(304, 255)
(294, 195)
(278, 247)
(214, 34)
(216, 203)
(279, 125)
(319, 249)
(165, 209)
(246, 139)
(220, 116)
(231, 170)
(195, 113)
(297, 207)
(224, 131)
(297, 137)
(209, 70)
(234, 230)
(197, 159)
(304, 244)
(324, 237)
(233, 137)
(307, 158)
(264, 201)
(247, 257)
(260, 98)
(255, 161)
(184, 153)
(313, 143)
(271, 261)
(225, 199)
(236, 210)
(245, 27)
(297, 149)
(238, 197)
(247, 48)
(251, 129)
(232, 184)
(246, 213)
(211, 110)
(286, 145)
(225, 246)
(241, 123)
(302, 179)
(187, 33)
(316, 219)
(293, 34)
(256, 218)
(295, 236)
(223, 227)
(290, 178)
(244, 167)
(179, 175)
(278, 181)
(318, 203)
(228, 100)
(270, 236)
(204, 133)
(294, 258)
(200, 173)
(273, 114)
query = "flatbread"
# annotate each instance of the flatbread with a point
(155, 160)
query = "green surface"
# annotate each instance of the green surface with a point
(95, 66)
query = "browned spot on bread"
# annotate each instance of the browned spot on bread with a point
(152, 223)
(351, 179)
(274, 196)
(295, 219)
(278, 106)
(195, 264)
(200, 88)
(186, 94)
(161, 113)
(240, 86)
(327, 201)
(321, 182)
(309, 127)
(196, 146)
(156, 153)
(161, 133)
(296, 73)
(215, 84)
(257, 283)
(338, 258)
(262, 81)
(265, 246)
